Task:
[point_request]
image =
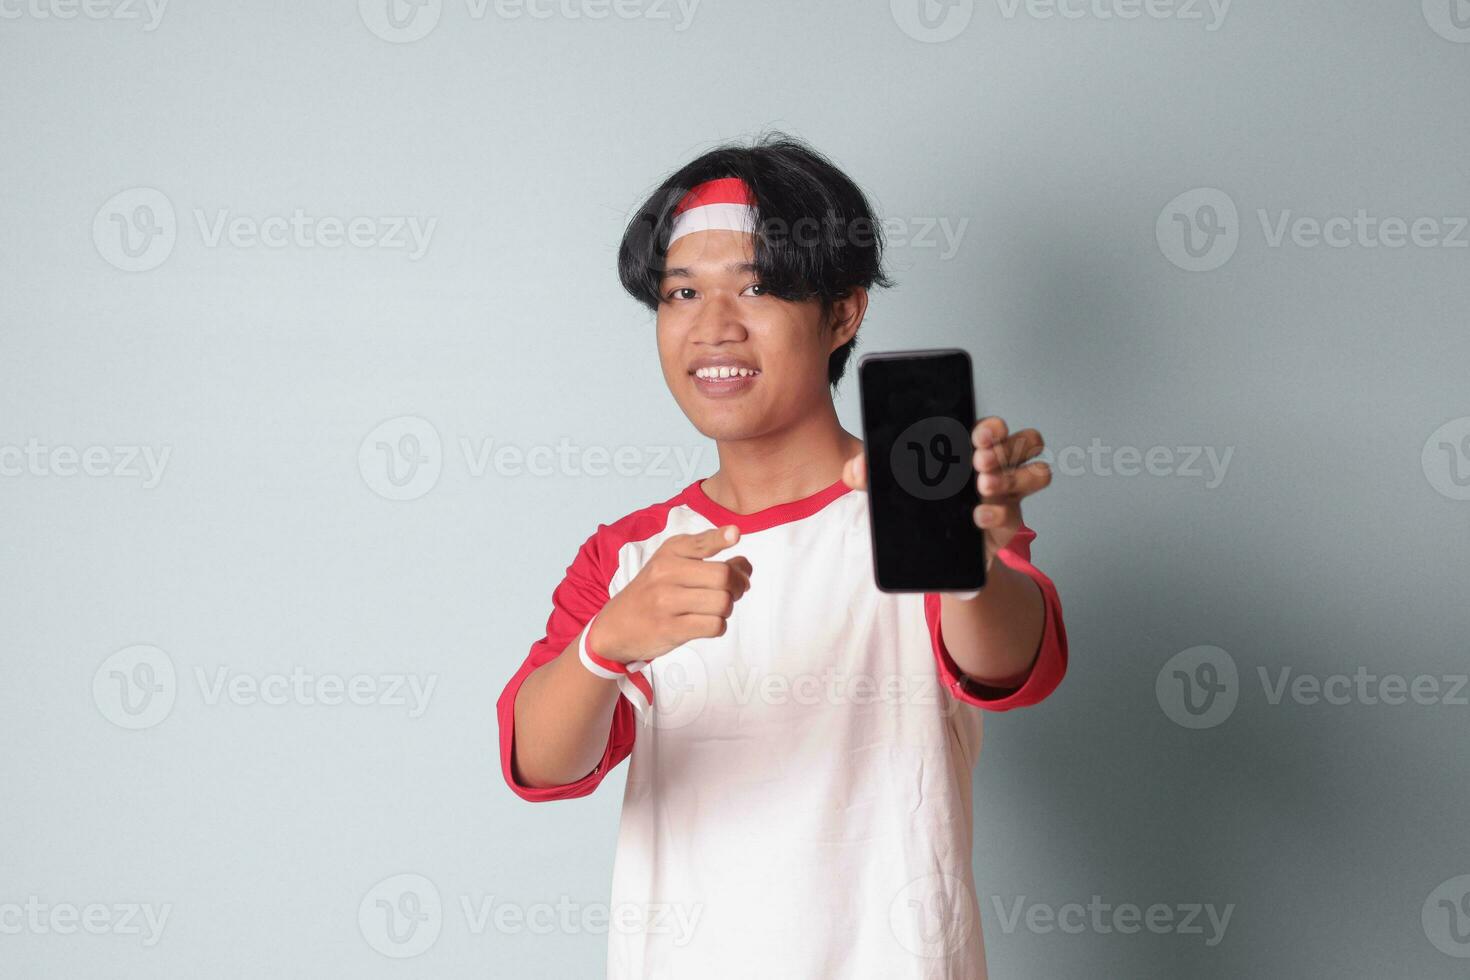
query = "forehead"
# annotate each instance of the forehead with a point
(711, 252)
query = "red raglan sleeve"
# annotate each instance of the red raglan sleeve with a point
(1051, 660)
(581, 594)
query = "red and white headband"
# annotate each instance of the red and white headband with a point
(716, 205)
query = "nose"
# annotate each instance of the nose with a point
(718, 321)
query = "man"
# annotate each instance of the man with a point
(798, 800)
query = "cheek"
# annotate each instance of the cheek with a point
(673, 355)
(793, 344)
(668, 342)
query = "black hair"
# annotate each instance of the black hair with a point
(816, 237)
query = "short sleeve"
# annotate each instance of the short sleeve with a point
(582, 593)
(1051, 658)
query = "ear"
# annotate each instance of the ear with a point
(847, 315)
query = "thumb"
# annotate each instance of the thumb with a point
(855, 472)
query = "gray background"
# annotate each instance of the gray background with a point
(1335, 542)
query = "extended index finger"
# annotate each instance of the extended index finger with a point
(705, 544)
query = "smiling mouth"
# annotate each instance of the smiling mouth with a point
(724, 381)
(723, 373)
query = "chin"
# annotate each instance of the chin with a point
(726, 429)
(727, 425)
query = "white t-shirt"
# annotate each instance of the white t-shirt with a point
(798, 797)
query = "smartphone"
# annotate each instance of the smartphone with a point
(918, 414)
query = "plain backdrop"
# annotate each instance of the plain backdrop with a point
(150, 616)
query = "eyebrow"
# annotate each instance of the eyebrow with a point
(733, 267)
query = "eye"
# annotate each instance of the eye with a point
(683, 292)
(756, 289)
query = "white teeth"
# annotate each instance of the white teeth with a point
(720, 373)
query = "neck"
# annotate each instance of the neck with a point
(779, 467)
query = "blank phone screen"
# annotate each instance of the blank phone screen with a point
(918, 412)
